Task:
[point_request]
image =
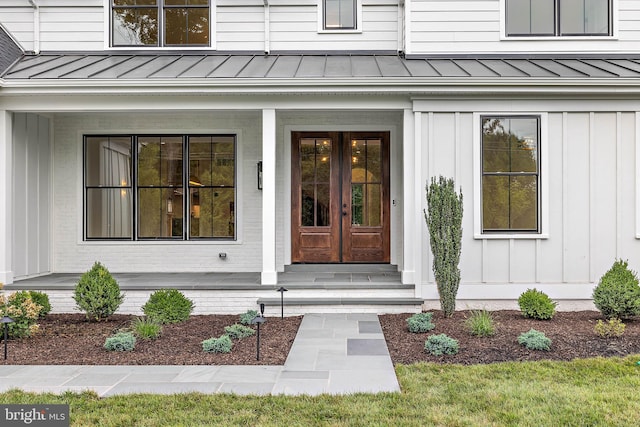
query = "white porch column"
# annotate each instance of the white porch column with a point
(269, 274)
(408, 195)
(418, 197)
(6, 185)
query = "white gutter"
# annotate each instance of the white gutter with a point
(36, 26)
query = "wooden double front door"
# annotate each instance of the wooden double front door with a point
(340, 197)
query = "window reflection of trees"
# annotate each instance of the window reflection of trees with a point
(138, 22)
(510, 173)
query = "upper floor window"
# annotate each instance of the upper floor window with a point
(340, 14)
(558, 17)
(160, 23)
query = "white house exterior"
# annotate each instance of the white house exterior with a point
(131, 132)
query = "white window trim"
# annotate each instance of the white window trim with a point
(503, 28)
(543, 209)
(212, 33)
(322, 30)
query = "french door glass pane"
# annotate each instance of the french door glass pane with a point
(366, 205)
(158, 216)
(584, 17)
(108, 213)
(323, 160)
(308, 203)
(135, 26)
(323, 197)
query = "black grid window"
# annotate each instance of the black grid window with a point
(510, 174)
(160, 187)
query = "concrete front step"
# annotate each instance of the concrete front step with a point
(341, 304)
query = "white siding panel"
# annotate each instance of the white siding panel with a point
(603, 181)
(31, 208)
(576, 232)
(549, 265)
(497, 254)
(19, 22)
(72, 28)
(627, 244)
(522, 261)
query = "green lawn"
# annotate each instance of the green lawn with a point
(582, 393)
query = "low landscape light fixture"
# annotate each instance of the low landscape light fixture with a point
(258, 320)
(5, 321)
(282, 290)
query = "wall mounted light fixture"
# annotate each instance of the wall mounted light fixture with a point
(259, 176)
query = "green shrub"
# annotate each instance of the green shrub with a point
(145, 328)
(238, 331)
(24, 312)
(618, 294)
(444, 221)
(217, 345)
(535, 340)
(168, 306)
(246, 318)
(42, 300)
(612, 328)
(441, 344)
(420, 323)
(97, 293)
(122, 341)
(480, 323)
(537, 305)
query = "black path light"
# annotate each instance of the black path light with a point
(258, 320)
(282, 290)
(5, 321)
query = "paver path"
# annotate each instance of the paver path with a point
(332, 353)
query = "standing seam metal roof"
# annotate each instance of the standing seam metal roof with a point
(136, 66)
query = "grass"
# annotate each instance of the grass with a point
(582, 392)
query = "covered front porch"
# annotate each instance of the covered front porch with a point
(358, 288)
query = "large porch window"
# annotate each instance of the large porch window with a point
(176, 187)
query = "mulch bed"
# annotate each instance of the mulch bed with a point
(572, 335)
(68, 339)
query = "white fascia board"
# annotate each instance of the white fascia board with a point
(417, 86)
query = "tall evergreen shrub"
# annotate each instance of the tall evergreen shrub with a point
(444, 220)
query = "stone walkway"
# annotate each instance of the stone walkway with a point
(332, 353)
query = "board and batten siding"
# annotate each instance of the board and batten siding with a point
(474, 26)
(591, 201)
(72, 254)
(31, 240)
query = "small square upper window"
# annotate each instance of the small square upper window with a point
(340, 14)
(558, 17)
(160, 23)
